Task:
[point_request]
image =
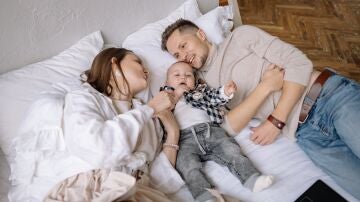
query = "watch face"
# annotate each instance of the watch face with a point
(166, 88)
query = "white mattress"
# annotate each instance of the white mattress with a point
(4, 175)
(294, 172)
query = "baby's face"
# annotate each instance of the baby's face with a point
(181, 74)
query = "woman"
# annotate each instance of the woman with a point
(113, 134)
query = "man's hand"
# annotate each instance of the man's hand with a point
(230, 88)
(273, 77)
(264, 134)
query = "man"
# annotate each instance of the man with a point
(327, 129)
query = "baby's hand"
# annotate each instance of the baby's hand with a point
(180, 90)
(230, 88)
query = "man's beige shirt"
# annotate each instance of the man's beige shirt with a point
(244, 56)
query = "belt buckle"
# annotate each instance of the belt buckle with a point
(301, 122)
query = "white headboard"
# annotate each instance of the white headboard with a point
(34, 30)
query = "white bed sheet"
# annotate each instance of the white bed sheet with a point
(294, 172)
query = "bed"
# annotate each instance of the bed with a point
(48, 42)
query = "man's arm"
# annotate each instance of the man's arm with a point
(266, 133)
(298, 69)
(291, 94)
(239, 117)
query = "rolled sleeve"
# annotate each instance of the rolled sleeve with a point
(298, 67)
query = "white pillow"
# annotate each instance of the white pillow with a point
(146, 42)
(216, 23)
(151, 33)
(20, 87)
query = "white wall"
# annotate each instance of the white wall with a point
(32, 30)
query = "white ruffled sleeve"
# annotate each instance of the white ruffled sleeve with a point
(38, 138)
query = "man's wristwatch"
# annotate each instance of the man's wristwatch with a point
(276, 122)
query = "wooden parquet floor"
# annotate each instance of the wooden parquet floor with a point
(327, 31)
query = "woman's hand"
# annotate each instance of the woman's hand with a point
(173, 133)
(164, 100)
(273, 77)
(169, 121)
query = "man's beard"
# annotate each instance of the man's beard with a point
(202, 61)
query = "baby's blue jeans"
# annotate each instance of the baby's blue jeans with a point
(206, 142)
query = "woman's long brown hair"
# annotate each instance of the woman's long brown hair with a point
(99, 74)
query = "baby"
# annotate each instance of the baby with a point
(199, 114)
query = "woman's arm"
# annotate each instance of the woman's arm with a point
(95, 138)
(173, 133)
(170, 152)
(94, 134)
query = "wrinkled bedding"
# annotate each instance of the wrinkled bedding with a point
(293, 170)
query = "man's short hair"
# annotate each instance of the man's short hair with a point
(180, 25)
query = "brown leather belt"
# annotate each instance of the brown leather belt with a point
(313, 94)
